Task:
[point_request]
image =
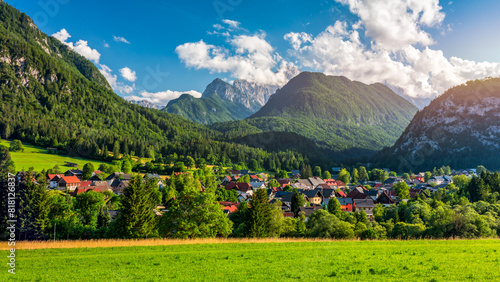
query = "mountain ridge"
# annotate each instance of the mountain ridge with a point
(459, 128)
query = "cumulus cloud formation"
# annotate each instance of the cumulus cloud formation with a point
(251, 58)
(62, 35)
(81, 46)
(113, 80)
(397, 24)
(128, 74)
(393, 57)
(162, 98)
(120, 39)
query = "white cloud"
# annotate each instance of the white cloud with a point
(162, 98)
(106, 45)
(396, 24)
(81, 46)
(251, 58)
(128, 74)
(391, 57)
(232, 24)
(113, 80)
(120, 39)
(62, 35)
(297, 39)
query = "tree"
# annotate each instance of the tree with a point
(126, 167)
(479, 169)
(253, 165)
(344, 176)
(406, 176)
(282, 174)
(179, 167)
(244, 178)
(88, 205)
(137, 218)
(103, 218)
(326, 225)
(354, 176)
(427, 176)
(317, 171)
(32, 211)
(306, 172)
(6, 163)
(327, 175)
(402, 190)
(116, 150)
(276, 224)
(189, 162)
(16, 146)
(393, 174)
(88, 170)
(297, 202)
(200, 162)
(363, 174)
(334, 207)
(259, 215)
(195, 214)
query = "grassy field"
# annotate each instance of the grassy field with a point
(268, 260)
(39, 159)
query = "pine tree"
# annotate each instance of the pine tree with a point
(259, 215)
(137, 218)
(297, 202)
(32, 209)
(116, 150)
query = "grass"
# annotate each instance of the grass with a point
(258, 260)
(39, 159)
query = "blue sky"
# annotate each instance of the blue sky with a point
(466, 30)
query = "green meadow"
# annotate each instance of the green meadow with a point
(40, 159)
(420, 260)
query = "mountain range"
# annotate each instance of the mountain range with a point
(52, 96)
(349, 118)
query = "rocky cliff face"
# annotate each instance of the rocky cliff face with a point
(461, 128)
(145, 104)
(259, 93)
(231, 93)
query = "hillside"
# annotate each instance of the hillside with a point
(351, 118)
(52, 96)
(207, 110)
(460, 129)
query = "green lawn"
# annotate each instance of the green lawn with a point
(39, 159)
(457, 260)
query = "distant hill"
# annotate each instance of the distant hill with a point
(222, 101)
(461, 128)
(350, 118)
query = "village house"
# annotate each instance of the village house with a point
(346, 204)
(240, 187)
(313, 196)
(385, 199)
(365, 205)
(54, 179)
(68, 183)
(74, 172)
